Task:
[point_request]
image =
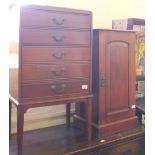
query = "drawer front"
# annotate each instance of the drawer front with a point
(51, 54)
(55, 88)
(41, 72)
(55, 37)
(55, 19)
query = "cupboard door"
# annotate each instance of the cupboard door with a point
(116, 77)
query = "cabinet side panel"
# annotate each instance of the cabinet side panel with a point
(95, 75)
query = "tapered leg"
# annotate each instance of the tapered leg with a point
(89, 118)
(10, 109)
(68, 114)
(20, 125)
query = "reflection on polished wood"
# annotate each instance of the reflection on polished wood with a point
(60, 140)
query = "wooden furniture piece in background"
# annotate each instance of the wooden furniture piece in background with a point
(53, 63)
(128, 24)
(57, 140)
(113, 82)
(140, 109)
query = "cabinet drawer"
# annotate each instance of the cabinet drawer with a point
(50, 54)
(55, 37)
(40, 72)
(56, 19)
(54, 88)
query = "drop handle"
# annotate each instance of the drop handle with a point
(58, 88)
(60, 72)
(58, 38)
(58, 21)
(58, 55)
(102, 80)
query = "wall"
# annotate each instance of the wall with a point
(103, 13)
(105, 10)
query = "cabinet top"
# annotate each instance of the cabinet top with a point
(53, 8)
(100, 29)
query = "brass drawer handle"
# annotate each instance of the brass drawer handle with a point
(57, 72)
(58, 55)
(59, 21)
(58, 39)
(58, 88)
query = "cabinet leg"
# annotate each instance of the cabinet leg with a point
(89, 118)
(10, 109)
(68, 114)
(20, 125)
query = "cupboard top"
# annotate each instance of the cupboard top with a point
(113, 30)
(54, 8)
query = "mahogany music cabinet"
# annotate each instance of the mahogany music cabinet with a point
(52, 61)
